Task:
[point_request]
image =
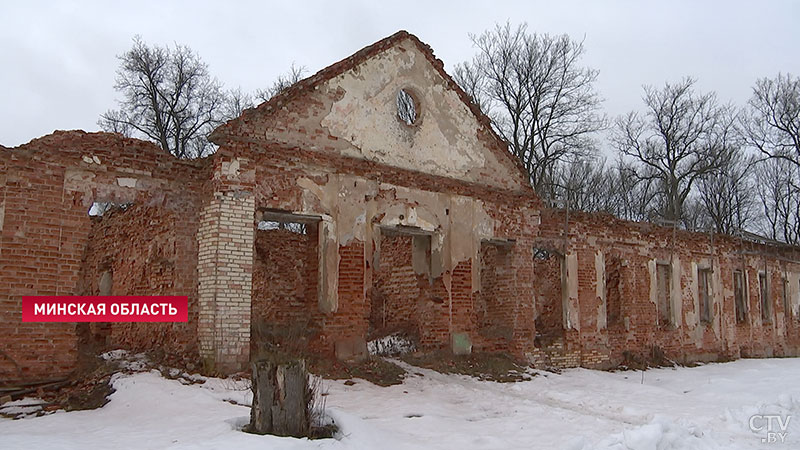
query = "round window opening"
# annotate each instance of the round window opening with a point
(407, 108)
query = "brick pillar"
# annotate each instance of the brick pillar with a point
(225, 270)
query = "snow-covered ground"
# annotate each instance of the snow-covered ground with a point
(707, 407)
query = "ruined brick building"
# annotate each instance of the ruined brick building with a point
(368, 199)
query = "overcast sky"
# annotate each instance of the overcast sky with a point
(59, 57)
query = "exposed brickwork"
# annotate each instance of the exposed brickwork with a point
(625, 318)
(46, 189)
(280, 114)
(548, 291)
(285, 275)
(225, 264)
(399, 296)
(280, 172)
(447, 245)
(352, 316)
(146, 250)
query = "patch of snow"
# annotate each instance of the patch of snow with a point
(294, 227)
(391, 345)
(24, 407)
(134, 362)
(706, 407)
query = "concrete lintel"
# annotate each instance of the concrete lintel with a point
(286, 216)
(404, 230)
(500, 242)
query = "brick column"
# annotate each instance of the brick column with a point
(225, 269)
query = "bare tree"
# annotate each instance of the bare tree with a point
(779, 199)
(726, 195)
(583, 184)
(632, 197)
(681, 138)
(540, 99)
(295, 74)
(772, 122)
(236, 101)
(471, 80)
(169, 98)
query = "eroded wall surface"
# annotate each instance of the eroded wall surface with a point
(356, 211)
(349, 109)
(144, 250)
(334, 148)
(285, 286)
(46, 190)
(429, 227)
(618, 287)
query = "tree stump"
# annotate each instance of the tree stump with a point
(280, 398)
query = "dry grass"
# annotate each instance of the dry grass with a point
(484, 366)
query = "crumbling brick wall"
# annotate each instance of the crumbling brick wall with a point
(492, 285)
(398, 293)
(549, 293)
(333, 147)
(447, 306)
(615, 299)
(145, 250)
(285, 273)
(46, 190)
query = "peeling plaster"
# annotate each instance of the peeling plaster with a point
(794, 291)
(98, 187)
(693, 317)
(572, 304)
(443, 140)
(356, 208)
(327, 289)
(231, 168)
(675, 293)
(652, 266)
(716, 300)
(600, 277)
(91, 159)
(127, 182)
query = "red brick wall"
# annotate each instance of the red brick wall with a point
(49, 245)
(548, 292)
(40, 253)
(628, 248)
(46, 189)
(285, 277)
(149, 251)
(494, 303)
(351, 318)
(398, 294)
(278, 176)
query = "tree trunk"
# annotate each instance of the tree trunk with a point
(280, 398)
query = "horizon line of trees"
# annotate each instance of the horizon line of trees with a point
(685, 159)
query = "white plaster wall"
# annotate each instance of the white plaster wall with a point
(571, 306)
(600, 277)
(443, 141)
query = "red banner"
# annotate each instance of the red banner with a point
(69, 308)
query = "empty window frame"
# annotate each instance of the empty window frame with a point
(739, 296)
(613, 290)
(787, 308)
(704, 293)
(664, 293)
(766, 305)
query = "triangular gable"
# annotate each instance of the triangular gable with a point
(350, 107)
